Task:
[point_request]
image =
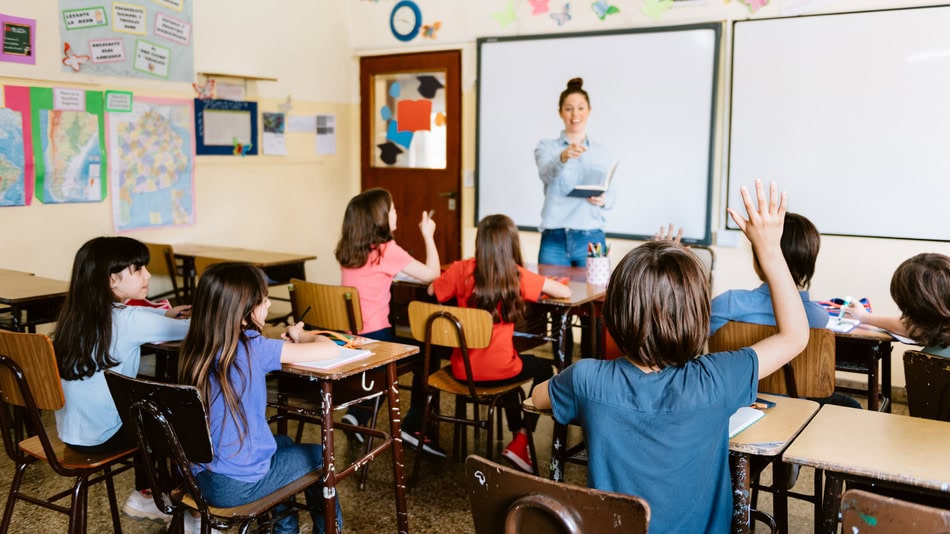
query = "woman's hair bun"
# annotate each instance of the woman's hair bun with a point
(575, 83)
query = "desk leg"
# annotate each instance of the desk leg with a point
(874, 388)
(560, 322)
(558, 451)
(15, 319)
(831, 503)
(885, 350)
(399, 479)
(741, 492)
(329, 458)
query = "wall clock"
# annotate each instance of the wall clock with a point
(405, 20)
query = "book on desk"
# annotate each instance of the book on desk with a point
(344, 356)
(595, 190)
(743, 418)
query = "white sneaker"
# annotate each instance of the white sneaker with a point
(193, 524)
(351, 419)
(141, 505)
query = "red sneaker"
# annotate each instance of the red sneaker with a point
(518, 453)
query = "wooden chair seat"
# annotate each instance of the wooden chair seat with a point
(69, 457)
(253, 508)
(444, 381)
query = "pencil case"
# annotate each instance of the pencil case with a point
(833, 306)
(344, 340)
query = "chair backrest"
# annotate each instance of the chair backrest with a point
(871, 513)
(928, 385)
(203, 262)
(810, 374)
(162, 263)
(509, 501)
(708, 256)
(331, 307)
(33, 355)
(441, 321)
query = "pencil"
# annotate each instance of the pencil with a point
(304, 314)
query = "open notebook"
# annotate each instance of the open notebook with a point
(743, 417)
(345, 356)
(595, 190)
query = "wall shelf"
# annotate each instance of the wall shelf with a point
(233, 75)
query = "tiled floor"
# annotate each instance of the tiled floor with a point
(439, 505)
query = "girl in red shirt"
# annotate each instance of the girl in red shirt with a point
(496, 280)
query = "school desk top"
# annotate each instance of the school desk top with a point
(260, 258)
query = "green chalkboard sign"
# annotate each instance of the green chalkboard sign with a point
(16, 39)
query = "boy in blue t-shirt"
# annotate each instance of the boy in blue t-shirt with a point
(656, 421)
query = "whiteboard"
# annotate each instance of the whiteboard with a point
(850, 113)
(652, 96)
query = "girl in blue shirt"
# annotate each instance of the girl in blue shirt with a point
(568, 224)
(227, 358)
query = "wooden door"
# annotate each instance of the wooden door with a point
(410, 135)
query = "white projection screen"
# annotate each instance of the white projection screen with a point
(653, 94)
(850, 113)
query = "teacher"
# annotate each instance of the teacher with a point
(569, 224)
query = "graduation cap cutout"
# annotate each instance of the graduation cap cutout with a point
(388, 152)
(428, 85)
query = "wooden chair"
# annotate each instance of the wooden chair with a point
(509, 501)
(274, 316)
(810, 374)
(172, 428)
(29, 382)
(928, 385)
(708, 256)
(876, 514)
(465, 328)
(162, 263)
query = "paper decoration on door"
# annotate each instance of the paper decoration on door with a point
(151, 40)
(428, 85)
(410, 128)
(219, 122)
(68, 144)
(19, 40)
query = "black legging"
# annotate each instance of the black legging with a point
(539, 370)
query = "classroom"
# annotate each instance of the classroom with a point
(307, 53)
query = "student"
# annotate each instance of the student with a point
(227, 358)
(369, 260)
(921, 288)
(656, 421)
(95, 332)
(800, 244)
(496, 280)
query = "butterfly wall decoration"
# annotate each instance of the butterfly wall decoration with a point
(428, 31)
(71, 60)
(241, 149)
(285, 106)
(602, 9)
(564, 16)
(539, 7)
(204, 92)
(506, 16)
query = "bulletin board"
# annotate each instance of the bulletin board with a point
(850, 113)
(225, 127)
(653, 93)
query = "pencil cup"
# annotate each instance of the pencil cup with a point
(598, 270)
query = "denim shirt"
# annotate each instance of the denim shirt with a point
(560, 210)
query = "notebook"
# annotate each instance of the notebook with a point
(841, 324)
(743, 418)
(594, 190)
(345, 356)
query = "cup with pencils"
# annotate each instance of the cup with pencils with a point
(598, 264)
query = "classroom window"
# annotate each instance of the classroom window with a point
(408, 127)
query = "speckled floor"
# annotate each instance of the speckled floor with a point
(438, 505)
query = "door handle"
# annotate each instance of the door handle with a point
(447, 194)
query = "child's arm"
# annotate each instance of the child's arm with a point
(764, 230)
(431, 269)
(541, 397)
(887, 322)
(302, 346)
(556, 289)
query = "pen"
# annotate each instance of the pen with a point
(304, 314)
(844, 305)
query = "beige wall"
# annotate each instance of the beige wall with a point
(295, 203)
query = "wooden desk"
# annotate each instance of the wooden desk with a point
(767, 438)
(373, 375)
(872, 447)
(867, 351)
(279, 266)
(12, 272)
(32, 300)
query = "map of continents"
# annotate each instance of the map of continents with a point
(70, 148)
(151, 170)
(12, 179)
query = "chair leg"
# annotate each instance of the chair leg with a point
(77, 519)
(489, 427)
(422, 437)
(369, 443)
(11, 497)
(113, 504)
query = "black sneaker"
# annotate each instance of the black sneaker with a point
(412, 438)
(351, 420)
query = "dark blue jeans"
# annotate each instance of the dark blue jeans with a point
(568, 247)
(290, 462)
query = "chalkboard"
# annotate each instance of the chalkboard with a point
(851, 114)
(652, 95)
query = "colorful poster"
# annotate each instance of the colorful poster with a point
(12, 159)
(17, 99)
(132, 38)
(19, 39)
(69, 148)
(152, 168)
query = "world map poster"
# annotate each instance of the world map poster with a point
(12, 160)
(68, 145)
(152, 162)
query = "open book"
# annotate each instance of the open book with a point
(743, 417)
(841, 324)
(345, 356)
(595, 190)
